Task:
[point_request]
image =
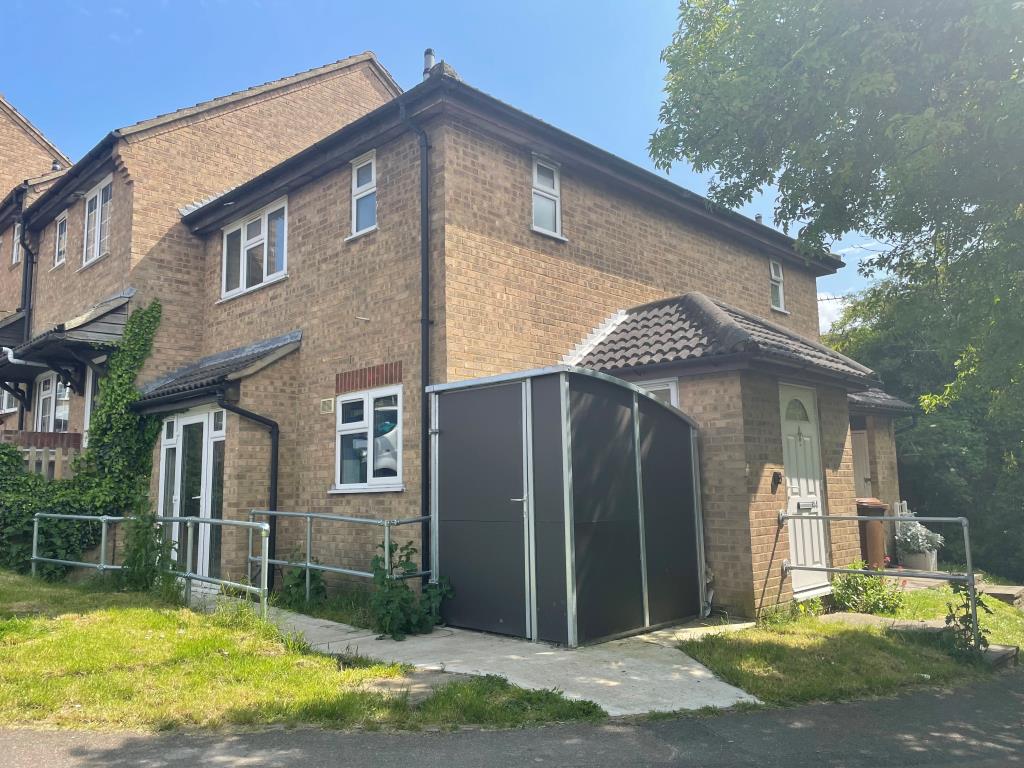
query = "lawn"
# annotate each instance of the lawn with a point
(811, 660)
(80, 658)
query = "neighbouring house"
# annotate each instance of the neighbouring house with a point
(333, 271)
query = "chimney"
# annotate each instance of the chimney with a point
(428, 62)
(56, 166)
(758, 218)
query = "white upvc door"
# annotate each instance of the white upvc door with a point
(861, 464)
(191, 483)
(801, 452)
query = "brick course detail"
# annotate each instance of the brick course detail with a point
(382, 375)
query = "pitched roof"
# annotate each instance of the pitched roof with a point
(257, 90)
(443, 88)
(692, 327)
(875, 399)
(32, 131)
(216, 370)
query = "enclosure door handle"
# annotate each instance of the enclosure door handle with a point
(522, 499)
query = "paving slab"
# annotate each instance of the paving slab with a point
(632, 676)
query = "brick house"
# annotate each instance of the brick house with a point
(439, 235)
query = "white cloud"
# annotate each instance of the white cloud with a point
(829, 309)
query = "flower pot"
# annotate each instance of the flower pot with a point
(920, 561)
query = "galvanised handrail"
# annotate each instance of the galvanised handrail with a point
(310, 565)
(962, 578)
(188, 575)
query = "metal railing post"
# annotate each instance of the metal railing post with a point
(309, 548)
(248, 551)
(35, 541)
(972, 593)
(189, 539)
(264, 566)
(387, 548)
(103, 543)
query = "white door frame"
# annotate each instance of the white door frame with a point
(208, 417)
(811, 532)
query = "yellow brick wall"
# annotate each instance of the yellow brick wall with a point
(21, 156)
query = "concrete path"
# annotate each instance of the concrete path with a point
(978, 727)
(625, 677)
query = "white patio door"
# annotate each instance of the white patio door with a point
(801, 455)
(192, 481)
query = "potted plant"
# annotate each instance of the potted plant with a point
(918, 546)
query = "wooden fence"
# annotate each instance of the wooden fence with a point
(46, 453)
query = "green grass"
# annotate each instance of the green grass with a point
(348, 606)
(79, 658)
(793, 662)
(1005, 624)
(810, 660)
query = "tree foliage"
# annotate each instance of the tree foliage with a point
(899, 119)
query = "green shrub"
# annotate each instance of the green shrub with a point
(865, 594)
(395, 609)
(293, 588)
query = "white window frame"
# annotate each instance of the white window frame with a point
(92, 252)
(777, 278)
(672, 385)
(16, 245)
(239, 225)
(60, 257)
(359, 192)
(553, 195)
(372, 484)
(8, 402)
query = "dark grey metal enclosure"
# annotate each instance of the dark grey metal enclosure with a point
(566, 506)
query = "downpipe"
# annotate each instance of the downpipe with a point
(275, 440)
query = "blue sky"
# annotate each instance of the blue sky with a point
(590, 67)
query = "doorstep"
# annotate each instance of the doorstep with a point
(632, 676)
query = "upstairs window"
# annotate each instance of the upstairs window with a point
(16, 247)
(364, 193)
(369, 440)
(255, 250)
(777, 289)
(96, 237)
(547, 198)
(60, 246)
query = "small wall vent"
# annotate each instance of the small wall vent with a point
(327, 405)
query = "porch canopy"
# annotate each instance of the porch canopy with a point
(565, 506)
(67, 348)
(203, 381)
(696, 333)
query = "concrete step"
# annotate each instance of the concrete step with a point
(998, 656)
(1009, 594)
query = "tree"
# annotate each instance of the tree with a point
(899, 119)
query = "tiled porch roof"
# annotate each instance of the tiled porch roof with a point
(214, 371)
(693, 327)
(876, 399)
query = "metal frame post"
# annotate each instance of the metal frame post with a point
(265, 557)
(35, 541)
(248, 551)
(972, 593)
(309, 550)
(103, 543)
(387, 548)
(189, 539)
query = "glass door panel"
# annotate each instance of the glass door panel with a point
(216, 505)
(191, 489)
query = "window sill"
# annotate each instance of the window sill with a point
(97, 260)
(14, 265)
(389, 488)
(357, 235)
(57, 266)
(247, 291)
(552, 235)
(781, 311)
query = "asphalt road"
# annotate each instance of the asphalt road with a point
(977, 727)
